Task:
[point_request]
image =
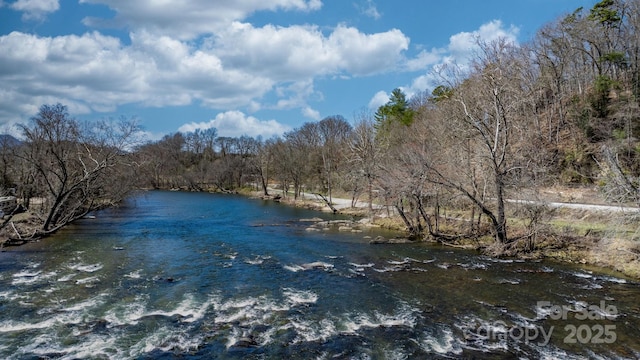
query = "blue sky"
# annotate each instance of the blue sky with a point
(254, 67)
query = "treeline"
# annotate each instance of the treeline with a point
(561, 109)
(64, 169)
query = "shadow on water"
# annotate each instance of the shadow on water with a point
(186, 275)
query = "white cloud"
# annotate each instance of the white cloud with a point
(311, 113)
(366, 54)
(424, 59)
(101, 73)
(369, 9)
(35, 9)
(235, 124)
(298, 52)
(294, 95)
(379, 99)
(235, 65)
(462, 45)
(188, 19)
(231, 70)
(456, 55)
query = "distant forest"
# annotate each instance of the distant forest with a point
(562, 109)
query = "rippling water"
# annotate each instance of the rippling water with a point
(187, 275)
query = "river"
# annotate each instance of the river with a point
(192, 275)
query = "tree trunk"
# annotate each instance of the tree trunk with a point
(501, 226)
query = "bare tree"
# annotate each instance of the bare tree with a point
(333, 132)
(365, 153)
(78, 168)
(480, 129)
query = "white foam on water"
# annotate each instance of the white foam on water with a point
(369, 265)
(16, 297)
(15, 326)
(550, 352)
(395, 354)
(234, 337)
(93, 347)
(267, 337)
(394, 268)
(357, 272)
(126, 314)
(312, 331)
(255, 261)
(293, 268)
(247, 312)
(582, 275)
(166, 340)
(404, 317)
(67, 277)
(188, 309)
(244, 315)
(131, 313)
(86, 268)
(317, 265)
(31, 277)
(27, 273)
(498, 260)
(309, 266)
(87, 304)
(444, 344)
(297, 297)
(88, 280)
(401, 262)
(509, 281)
(230, 256)
(593, 286)
(473, 266)
(614, 279)
(134, 274)
(10, 326)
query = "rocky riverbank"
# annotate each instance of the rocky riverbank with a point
(590, 237)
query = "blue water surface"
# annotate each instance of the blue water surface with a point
(195, 275)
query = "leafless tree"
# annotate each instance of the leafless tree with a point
(78, 168)
(365, 153)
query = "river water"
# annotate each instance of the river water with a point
(192, 275)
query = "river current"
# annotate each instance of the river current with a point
(191, 275)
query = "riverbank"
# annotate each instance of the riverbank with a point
(592, 235)
(589, 236)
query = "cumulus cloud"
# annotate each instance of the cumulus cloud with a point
(182, 53)
(462, 45)
(310, 113)
(236, 123)
(296, 52)
(231, 70)
(456, 55)
(188, 19)
(101, 73)
(35, 9)
(379, 99)
(424, 59)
